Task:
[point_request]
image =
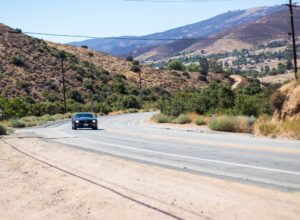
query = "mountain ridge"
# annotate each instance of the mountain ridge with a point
(200, 29)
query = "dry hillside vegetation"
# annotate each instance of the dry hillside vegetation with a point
(30, 66)
(288, 99)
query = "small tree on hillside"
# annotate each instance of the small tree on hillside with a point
(204, 66)
(137, 69)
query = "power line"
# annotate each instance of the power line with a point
(152, 39)
(178, 1)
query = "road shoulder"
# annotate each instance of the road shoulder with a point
(74, 184)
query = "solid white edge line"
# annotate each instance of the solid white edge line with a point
(193, 158)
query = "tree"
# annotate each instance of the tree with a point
(289, 64)
(204, 66)
(137, 69)
(281, 68)
(215, 66)
(129, 58)
(267, 69)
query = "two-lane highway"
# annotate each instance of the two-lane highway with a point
(240, 157)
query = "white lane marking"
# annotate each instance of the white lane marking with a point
(188, 157)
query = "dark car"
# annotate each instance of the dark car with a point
(84, 120)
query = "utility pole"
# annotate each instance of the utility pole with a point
(292, 5)
(62, 58)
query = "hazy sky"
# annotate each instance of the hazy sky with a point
(112, 17)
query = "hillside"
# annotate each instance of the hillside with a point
(271, 27)
(31, 68)
(198, 30)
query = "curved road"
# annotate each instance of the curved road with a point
(239, 157)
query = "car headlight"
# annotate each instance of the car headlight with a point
(94, 121)
(77, 121)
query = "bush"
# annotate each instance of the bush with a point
(135, 69)
(201, 121)
(203, 78)
(162, 118)
(84, 46)
(247, 105)
(182, 119)
(136, 62)
(18, 61)
(3, 130)
(277, 100)
(76, 96)
(267, 129)
(127, 102)
(16, 123)
(226, 123)
(58, 117)
(232, 124)
(176, 65)
(129, 58)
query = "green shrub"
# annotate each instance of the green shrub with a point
(226, 123)
(203, 78)
(129, 58)
(18, 61)
(136, 62)
(76, 96)
(3, 130)
(16, 123)
(176, 65)
(240, 124)
(135, 69)
(201, 121)
(127, 102)
(247, 105)
(162, 118)
(182, 119)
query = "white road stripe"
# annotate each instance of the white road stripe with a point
(193, 158)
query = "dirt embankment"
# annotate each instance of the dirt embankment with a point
(289, 108)
(75, 184)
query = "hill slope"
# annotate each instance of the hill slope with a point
(201, 29)
(32, 67)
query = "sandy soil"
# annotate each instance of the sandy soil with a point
(83, 185)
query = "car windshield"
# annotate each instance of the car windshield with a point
(84, 115)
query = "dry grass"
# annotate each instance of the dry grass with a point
(31, 121)
(182, 119)
(288, 129)
(239, 124)
(162, 118)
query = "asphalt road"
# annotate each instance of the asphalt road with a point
(236, 157)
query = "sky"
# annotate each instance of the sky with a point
(107, 18)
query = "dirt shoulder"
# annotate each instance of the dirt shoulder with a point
(75, 184)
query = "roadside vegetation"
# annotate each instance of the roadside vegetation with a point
(245, 110)
(3, 130)
(30, 121)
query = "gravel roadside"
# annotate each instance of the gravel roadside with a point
(73, 184)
